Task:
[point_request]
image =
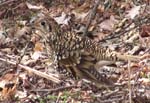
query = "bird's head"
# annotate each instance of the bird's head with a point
(45, 26)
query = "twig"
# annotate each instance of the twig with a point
(22, 55)
(111, 93)
(41, 74)
(129, 82)
(56, 89)
(115, 100)
(58, 97)
(92, 16)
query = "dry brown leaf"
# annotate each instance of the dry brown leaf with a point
(145, 31)
(8, 83)
(38, 47)
(108, 24)
(34, 7)
(63, 19)
(37, 51)
(23, 32)
(133, 12)
(145, 81)
(82, 13)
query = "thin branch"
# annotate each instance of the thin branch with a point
(129, 82)
(23, 53)
(56, 89)
(92, 16)
(41, 74)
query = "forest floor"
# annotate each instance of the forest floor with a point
(26, 75)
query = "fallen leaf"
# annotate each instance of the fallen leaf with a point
(21, 94)
(8, 83)
(133, 12)
(34, 7)
(36, 55)
(38, 47)
(145, 81)
(108, 24)
(145, 31)
(63, 19)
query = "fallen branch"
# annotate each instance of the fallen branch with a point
(41, 74)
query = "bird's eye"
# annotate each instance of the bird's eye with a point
(43, 23)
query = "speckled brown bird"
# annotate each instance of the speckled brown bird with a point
(74, 54)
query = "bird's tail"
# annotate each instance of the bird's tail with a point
(126, 57)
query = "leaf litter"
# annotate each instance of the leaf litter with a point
(27, 85)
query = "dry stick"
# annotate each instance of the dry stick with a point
(115, 100)
(111, 93)
(58, 97)
(92, 16)
(129, 82)
(41, 74)
(22, 55)
(56, 89)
